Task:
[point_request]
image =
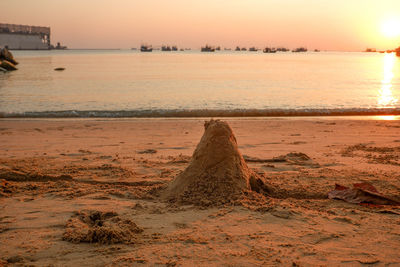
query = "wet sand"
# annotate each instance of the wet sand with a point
(53, 171)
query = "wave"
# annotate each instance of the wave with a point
(167, 113)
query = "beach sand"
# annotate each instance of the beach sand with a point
(84, 192)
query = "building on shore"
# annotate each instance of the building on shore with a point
(24, 37)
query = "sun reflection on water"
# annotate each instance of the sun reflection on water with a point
(386, 98)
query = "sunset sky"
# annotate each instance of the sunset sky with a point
(350, 25)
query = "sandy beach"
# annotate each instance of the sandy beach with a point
(59, 175)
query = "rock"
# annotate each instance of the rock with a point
(217, 173)
(7, 55)
(7, 65)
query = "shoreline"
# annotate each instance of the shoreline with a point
(256, 118)
(204, 113)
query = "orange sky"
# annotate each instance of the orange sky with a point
(325, 24)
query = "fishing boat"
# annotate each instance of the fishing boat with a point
(165, 48)
(269, 50)
(282, 49)
(237, 48)
(299, 50)
(253, 49)
(207, 48)
(146, 48)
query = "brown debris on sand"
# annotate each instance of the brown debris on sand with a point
(100, 227)
(361, 193)
(217, 173)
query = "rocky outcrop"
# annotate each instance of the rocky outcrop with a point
(7, 65)
(7, 61)
(8, 56)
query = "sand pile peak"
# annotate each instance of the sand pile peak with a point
(217, 173)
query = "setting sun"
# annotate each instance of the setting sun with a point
(391, 27)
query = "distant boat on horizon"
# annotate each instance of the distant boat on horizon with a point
(283, 49)
(269, 50)
(299, 50)
(146, 48)
(166, 48)
(207, 48)
(253, 49)
(370, 50)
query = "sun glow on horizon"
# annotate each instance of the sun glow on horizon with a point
(390, 27)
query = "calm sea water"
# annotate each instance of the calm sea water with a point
(130, 83)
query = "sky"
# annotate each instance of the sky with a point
(344, 25)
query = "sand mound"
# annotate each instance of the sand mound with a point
(100, 227)
(217, 173)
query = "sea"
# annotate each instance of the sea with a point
(128, 83)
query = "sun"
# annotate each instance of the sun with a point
(391, 27)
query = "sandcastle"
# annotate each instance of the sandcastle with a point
(217, 173)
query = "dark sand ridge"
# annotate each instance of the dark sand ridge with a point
(217, 173)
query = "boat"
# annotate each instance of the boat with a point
(317, 50)
(237, 48)
(174, 48)
(165, 48)
(282, 49)
(269, 50)
(253, 49)
(243, 49)
(146, 48)
(207, 48)
(300, 49)
(370, 50)
(218, 48)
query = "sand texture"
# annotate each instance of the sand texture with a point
(172, 192)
